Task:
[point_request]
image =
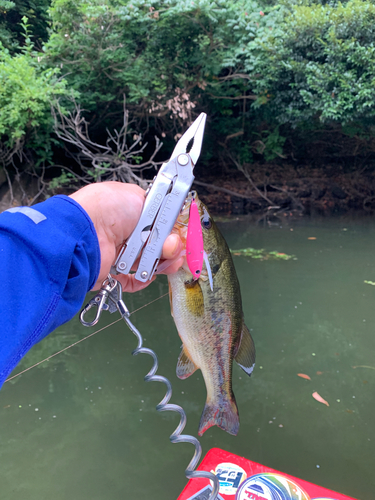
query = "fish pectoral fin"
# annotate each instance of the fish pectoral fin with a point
(245, 356)
(185, 366)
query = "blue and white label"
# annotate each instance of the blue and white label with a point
(230, 477)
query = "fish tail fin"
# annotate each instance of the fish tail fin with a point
(223, 413)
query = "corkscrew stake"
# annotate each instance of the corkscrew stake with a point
(112, 290)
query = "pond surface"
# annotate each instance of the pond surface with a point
(84, 426)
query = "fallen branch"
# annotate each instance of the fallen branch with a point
(223, 190)
(242, 169)
(295, 201)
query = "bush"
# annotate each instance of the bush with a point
(11, 30)
(27, 90)
(258, 70)
(318, 64)
(168, 57)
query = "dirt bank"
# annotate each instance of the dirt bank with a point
(280, 188)
(289, 188)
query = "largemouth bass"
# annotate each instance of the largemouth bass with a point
(210, 323)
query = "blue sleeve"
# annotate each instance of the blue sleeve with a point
(50, 259)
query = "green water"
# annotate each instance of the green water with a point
(83, 425)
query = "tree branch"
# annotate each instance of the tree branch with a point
(242, 169)
(114, 160)
(222, 189)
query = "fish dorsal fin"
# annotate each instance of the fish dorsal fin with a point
(245, 355)
(185, 366)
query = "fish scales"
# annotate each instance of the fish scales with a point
(210, 323)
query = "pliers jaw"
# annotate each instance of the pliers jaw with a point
(164, 200)
(191, 141)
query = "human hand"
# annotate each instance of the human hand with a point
(115, 208)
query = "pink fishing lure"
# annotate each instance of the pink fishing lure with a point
(194, 242)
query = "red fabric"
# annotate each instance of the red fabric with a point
(217, 456)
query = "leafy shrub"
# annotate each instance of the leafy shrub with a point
(27, 90)
(11, 14)
(168, 57)
(319, 63)
(256, 69)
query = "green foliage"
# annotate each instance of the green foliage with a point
(27, 90)
(250, 69)
(65, 179)
(260, 71)
(270, 144)
(142, 50)
(11, 14)
(170, 58)
(318, 64)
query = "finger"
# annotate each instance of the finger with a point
(172, 246)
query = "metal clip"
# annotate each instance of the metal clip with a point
(100, 301)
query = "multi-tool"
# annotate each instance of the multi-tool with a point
(164, 200)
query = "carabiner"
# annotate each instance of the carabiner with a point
(109, 288)
(98, 301)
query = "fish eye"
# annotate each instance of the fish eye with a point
(206, 223)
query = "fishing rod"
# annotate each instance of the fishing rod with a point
(109, 298)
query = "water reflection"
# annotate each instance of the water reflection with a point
(84, 425)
